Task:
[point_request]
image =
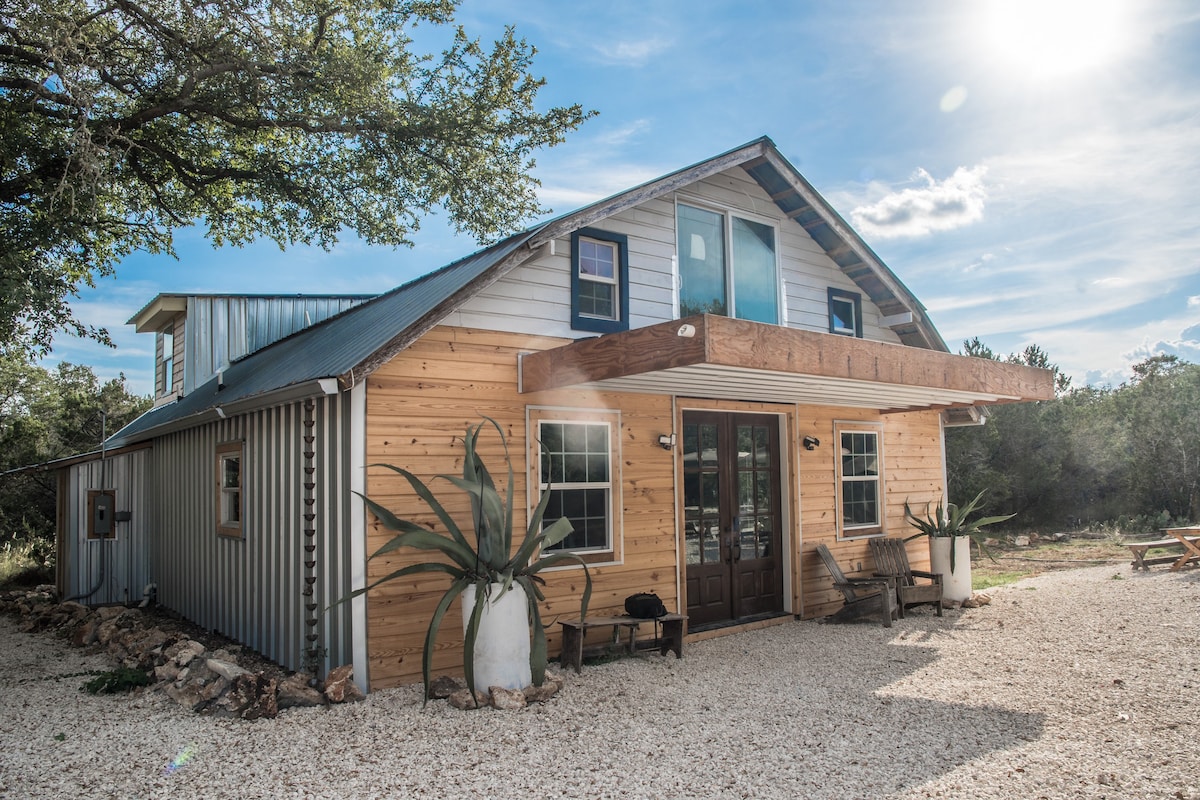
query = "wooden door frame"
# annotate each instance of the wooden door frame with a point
(789, 499)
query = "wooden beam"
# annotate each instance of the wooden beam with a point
(731, 343)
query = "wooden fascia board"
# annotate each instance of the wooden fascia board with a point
(649, 191)
(433, 317)
(736, 343)
(157, 312)
(855, 244)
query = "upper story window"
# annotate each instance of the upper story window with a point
(845, 313)
(229, 489)
(727, 265)
(168, 360)
(860, 480)
(599, 281)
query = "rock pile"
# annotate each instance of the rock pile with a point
(184, 669)
(458, 695)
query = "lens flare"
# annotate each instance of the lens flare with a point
(180, 760)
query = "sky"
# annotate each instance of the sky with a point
(1029, 169)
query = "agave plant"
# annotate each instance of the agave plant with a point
(488, 560)
(952, 522)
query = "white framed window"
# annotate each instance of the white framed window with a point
(845, 313)
(599, 281)
(728, 264)
(168, 360)
(860, 480)
(576, 463)
(229, 489)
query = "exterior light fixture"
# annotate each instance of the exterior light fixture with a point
(667, 441)
(811, 442)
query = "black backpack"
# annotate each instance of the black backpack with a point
(644, 605)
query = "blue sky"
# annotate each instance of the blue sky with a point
(1030, 170)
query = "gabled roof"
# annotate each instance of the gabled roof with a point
(341, 351)
(799, 201)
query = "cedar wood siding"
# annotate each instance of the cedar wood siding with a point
(418, 407)
(912, 471)
(420, 403)
(424, 398)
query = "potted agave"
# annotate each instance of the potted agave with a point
(504, 641)
(950, 533)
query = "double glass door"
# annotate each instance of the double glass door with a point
(732, 522)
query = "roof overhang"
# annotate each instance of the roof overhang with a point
(166, 419)
(718, 357)
(158, 312)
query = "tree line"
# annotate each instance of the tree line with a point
(1125, 457)
(48, 414)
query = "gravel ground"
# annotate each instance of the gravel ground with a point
(1069, 685)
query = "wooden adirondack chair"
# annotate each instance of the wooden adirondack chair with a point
(863, 595)
(891, 560)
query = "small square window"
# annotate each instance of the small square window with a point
(845, 313)
(599, 281)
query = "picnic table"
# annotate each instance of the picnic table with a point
(1186, 539)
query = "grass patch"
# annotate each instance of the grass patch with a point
(986, 580)
(24, 563)
(1010, 564)
(122, 679)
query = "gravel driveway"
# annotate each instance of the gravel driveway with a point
(1070, 685)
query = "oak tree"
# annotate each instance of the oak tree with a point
(296, 120)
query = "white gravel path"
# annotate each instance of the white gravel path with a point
(1080, 684)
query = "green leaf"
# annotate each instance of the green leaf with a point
(412, 569)
(430, 500)
(435, 624)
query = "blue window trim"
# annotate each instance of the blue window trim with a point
(851, 297)
(584, 323)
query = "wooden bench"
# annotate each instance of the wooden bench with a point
(1186, 544)
(624, 632)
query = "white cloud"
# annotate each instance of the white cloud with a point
(1186, 347)
(1194, 301)
(633, 53)
(952, 203)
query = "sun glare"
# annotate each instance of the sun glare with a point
(1045, 39)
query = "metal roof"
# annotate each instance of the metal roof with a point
(340, 351)
(305, 363)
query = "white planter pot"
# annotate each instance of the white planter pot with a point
(956, 585)
(502, 643)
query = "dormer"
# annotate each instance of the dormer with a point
(166, 318)
(197, 336)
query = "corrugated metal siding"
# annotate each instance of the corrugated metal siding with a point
(118, 569)
(269, 319)
(222, 329)
(250, 589)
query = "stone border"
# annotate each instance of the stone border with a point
(200, 680)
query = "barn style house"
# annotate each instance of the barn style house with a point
(723, 373)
